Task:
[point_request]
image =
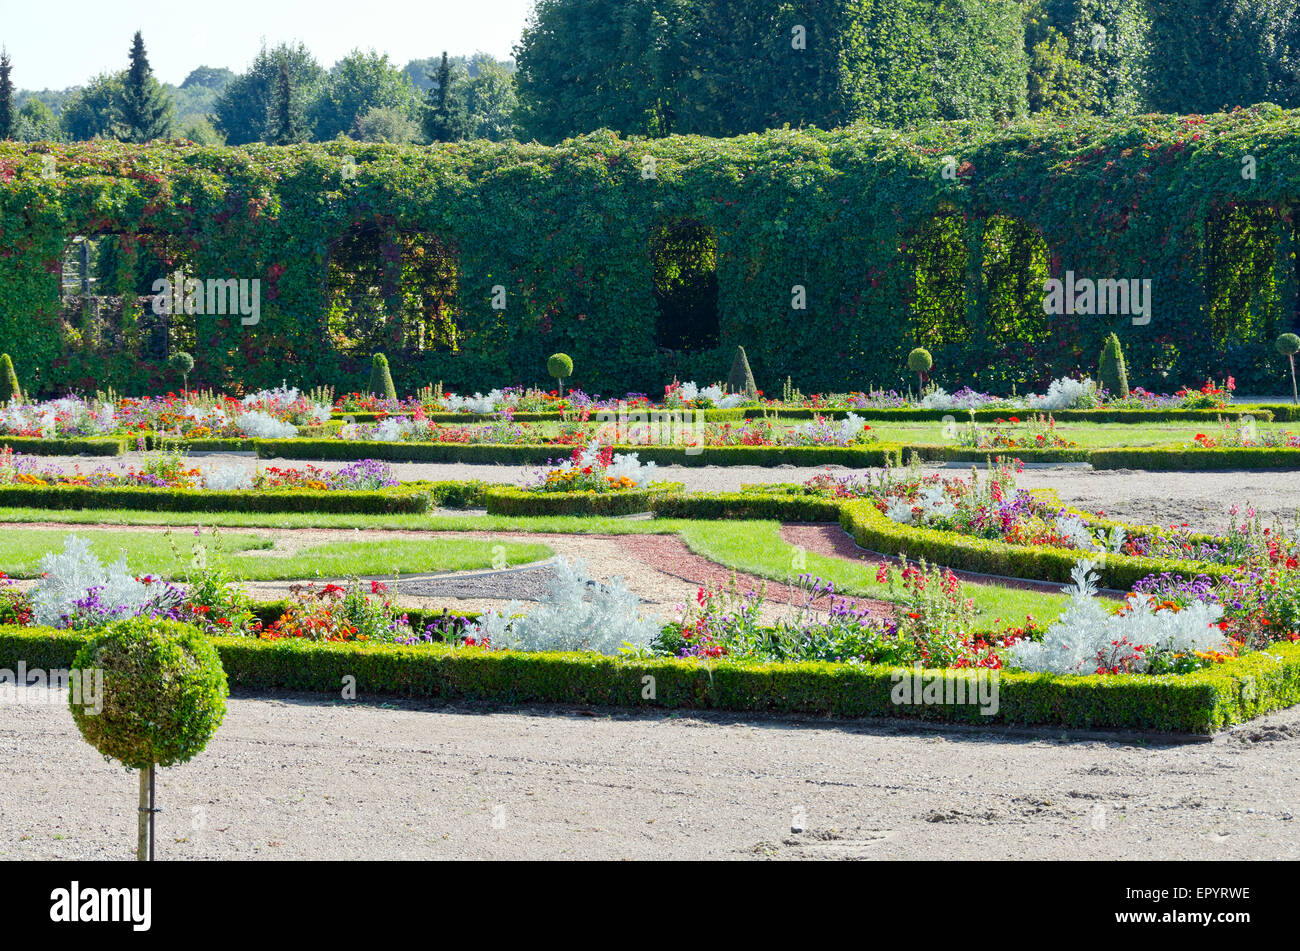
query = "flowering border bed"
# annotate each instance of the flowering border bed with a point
(509, 500)
(1147, 459)
(1196, 703)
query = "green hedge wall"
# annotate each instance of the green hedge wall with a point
(1198, 703)
(565, 232)
(1147, 458)
(36, 446)
(409, 498)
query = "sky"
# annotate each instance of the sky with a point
(54, 46)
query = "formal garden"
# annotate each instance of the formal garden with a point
(773, 396)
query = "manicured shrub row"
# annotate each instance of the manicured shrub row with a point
(406, 499)
(1200, 702)
(1261, 414)
(709, 415)
(876, 532)
(339, 449)
(748, 505)
(92, 446)
(1148, 458)
(508, 500)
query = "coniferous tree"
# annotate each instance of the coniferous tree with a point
(446, 118)
(146, 110)
(6, 97)
(285, 123)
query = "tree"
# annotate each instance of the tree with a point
(36, 123)
(241, 110)
(146, 111)
(491, 102)
(741, 378)
(920, 362)
(91, 111)
(385, 124)
(446, 118)
(1289, 345)
(201, 131)
(560, 366)
(9, 388)
(208, 77)
(6, 96)
(1111, 371)
(285, 123)
(358, 83)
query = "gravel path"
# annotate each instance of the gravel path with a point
(293, 777)
(1200, 498)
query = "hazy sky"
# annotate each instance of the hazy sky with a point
(54, 45)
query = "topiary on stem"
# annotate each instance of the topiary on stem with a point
(182, 363)
(1111, 370)
(741, 378)
(148, 693)
(1289, 345)
(9, 390)
(381, 380)
(920, 362)
(560, 366)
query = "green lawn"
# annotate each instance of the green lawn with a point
(754, 547)
(251, 558)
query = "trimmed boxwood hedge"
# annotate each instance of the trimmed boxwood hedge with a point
(90, 446)
(508, 500)
(1147, 458)
(906, 415)
(710, 415)
(537, 454)
(782, 507)
(1198, 703)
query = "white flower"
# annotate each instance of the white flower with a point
(227, 479)
(259, 425)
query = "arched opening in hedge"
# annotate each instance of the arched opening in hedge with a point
(938, 257)
(1014, 265)
(391, 289)
(684, 264)
(107, 290)
(1244, 278)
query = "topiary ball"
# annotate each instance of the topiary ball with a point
(920, 361)
(164, 692)
(181, 362)
(1288, 345)
(560, 366)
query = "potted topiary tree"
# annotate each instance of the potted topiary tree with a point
(9, 390)
(1111, 370)
(920, 362)
(1289, 345)
(381, 380)
(163, 696)
(560, 366)
(182, 363)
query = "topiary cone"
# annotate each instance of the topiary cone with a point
(9, 391)
(1111, 370)
(381, 380)
(741, 378)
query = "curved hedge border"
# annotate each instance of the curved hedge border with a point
(408, 498)
(1199, 703)
(509, 500)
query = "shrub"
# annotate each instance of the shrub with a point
(182, 363)
(1288, 345)
(164, 692)
(1111, 370)
(9, 389)
(920, 362)
(560, 366)
(741, 378)
(381, 380)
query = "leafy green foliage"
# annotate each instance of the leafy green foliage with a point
(146, 111)
(164, 692)
(381, 380)
(9, 388)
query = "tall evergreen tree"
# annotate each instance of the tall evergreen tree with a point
(446, 118)
(146, 109)
(285, 123)
(6, 97)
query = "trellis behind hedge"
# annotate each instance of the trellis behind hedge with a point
(565, 231)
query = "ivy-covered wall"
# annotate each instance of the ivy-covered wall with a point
(943, 235)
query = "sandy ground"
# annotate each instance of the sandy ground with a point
(290, 777)
(1199, 498)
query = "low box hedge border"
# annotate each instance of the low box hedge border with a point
(781, 507)
(606, 415)
(1197, 703)
(1147, 459)
(509, 500)
(869, 456)
(90, 446)
(1263, 414)
(877, 532)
